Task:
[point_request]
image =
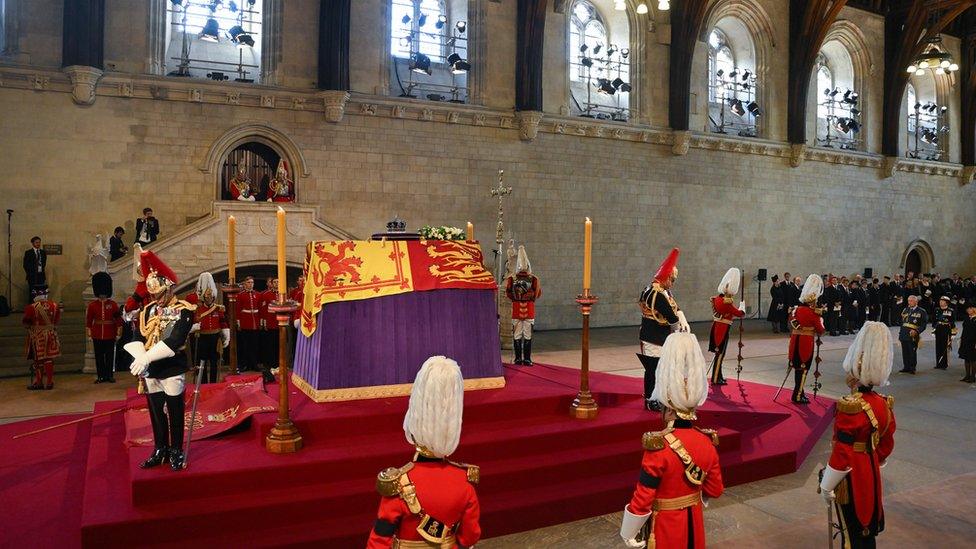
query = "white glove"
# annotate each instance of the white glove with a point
(297, 323)
(630, 526)
(225, 335)
(135, 348)
(634, 543)
(195, 328)
(831, 478)
(705, 500)
(742, 306)
(139, 366)
(683, 322)
(828, 496)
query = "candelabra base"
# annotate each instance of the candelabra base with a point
(583, 406)
(284, 438)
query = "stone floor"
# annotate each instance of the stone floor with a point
(930, 479)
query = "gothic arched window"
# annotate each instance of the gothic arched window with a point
(587, 28)
(214, 40)
(417, 26)
(721, 62)
(825, 82)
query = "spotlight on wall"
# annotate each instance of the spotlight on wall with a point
(663, 5)
(605, 87)
(420, 63)
(737, 108)
(422, 20)
(458, 65)
(461, 26)
(753, 108)
(620, 5)
(239, 37)
(441, 21)
(405, 19)
(211, 31)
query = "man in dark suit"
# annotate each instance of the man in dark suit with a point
(116, 248)
(35, 266)
(147, 228)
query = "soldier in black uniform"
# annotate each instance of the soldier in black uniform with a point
(944, 323)
(856, 306)
(913, 322)
(660, 316)
(834, 301)
(159, 360)
(967, 344)
(884, 298)
(775, 304)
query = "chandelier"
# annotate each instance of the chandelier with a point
(935, 59)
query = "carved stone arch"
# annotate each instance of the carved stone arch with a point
(852, 39)
(259, 132)
(925, 252)
(639, 26)
(760, 27)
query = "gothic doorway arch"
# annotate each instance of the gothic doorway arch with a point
(913, 263)
(918, 258)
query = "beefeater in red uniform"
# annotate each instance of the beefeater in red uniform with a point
(41, 319)
(680, 466)
(523, 289)
(430, 502)
(103, 323)
(864, 428)
(723, 313)
(806, 323)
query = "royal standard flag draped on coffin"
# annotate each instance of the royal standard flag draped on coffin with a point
(346, 270)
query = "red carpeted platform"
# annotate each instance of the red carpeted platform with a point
(81, 486)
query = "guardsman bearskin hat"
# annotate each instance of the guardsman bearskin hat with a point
(433, 420)
(669, 268)
(681, 377)
(869, 358)
(522, 264)
(206, 286)
(102, 284)
(730, 282)
(812, 289)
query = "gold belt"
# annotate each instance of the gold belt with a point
(912, 326)
(675, 504)
(803, 331)
(449, 543)
(861, 447)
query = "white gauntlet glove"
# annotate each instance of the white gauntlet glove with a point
(195, 328)
(297, 323)
(831, 478)
(742, 306)
(630, 526)
(683, 325)
(225, 335)
(139, 365)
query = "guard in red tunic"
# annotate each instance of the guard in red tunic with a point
(430, 502)
(723, 313)
(680, 467)
(43, 345)
(103, 323)
(249, 304)
(523, 289)
(269, 327)
(210, 325)
(805, 325)
(660, 316)
(864, 428)
(297, 294)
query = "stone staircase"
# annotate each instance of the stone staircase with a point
(12, 344)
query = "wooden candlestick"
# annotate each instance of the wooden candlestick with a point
(230, 291)
(583, 406)
(284, 437)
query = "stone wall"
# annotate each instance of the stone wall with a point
(71, 171)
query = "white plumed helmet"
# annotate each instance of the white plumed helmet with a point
(681, 380)
(869, 358)
(730, 282)
(206, 284)
(812, 289)
(433, 420)
(522, 262)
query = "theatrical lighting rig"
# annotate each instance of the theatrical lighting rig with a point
(927, 124)
(205, 19)
(436, 56)
(604, 74)
(842, 116)
(734, 96)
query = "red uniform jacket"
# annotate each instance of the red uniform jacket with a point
(723, 311)
(662, 477)
(268, 319)
(192, 297)
(41, 318)
(806, 324)
(297, 295)
(103, 319)
(249, 306)
(211, 319)
(523, 300)
(444, 490)
(862, 446)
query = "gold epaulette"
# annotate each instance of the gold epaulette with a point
(474, 472)
(654, 440)
(388, 481)
(711, 433)
(850, 404)
(180, 305)
(890, 401)
(727, 299)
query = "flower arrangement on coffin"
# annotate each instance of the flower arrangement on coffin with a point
(441, 233)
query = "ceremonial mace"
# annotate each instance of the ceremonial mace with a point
(583, 406)
(284, 437)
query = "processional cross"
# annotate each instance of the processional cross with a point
(501, 191)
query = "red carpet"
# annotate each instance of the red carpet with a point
(81, 487)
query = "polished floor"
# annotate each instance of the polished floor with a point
(929, 480)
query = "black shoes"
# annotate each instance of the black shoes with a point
(652, 405)
(721, 382)
(802, 399)
(177, 459)
(158, 457)
(527, 352)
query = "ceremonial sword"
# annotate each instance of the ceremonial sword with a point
(193, 414)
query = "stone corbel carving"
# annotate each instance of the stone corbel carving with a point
(796, 154)
(888, 166)
(967, 174)
(528, 124)
(398, 111)
(84, 80)
(335, 105)
(681, 142)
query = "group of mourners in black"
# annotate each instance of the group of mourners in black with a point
(849, 302)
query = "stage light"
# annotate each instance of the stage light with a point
(746, 75)
(420, 63)
(217, 76)
(719, 73)
(734, 73)
(435, 97)
(617, 82)
(923, 65)
(940, 70)
(737, 107)
(642, 8)
(211, 31)
(605, 87)
(583, 48)
(405, 19)
(953, 67)
(854, 125)
(232, 6)
(826, 91)
(586, 62)
(919, 72)
(240, 37)
(625, 53)
(912, 68)
(458, 65)
(422, 20)
(855, 111)
(625, 87)
(754, 108)
(596, 49)
(942, 110)
(833, 92)
(663, 5)
(441, 21)
(842, 125)
(461, 26)
(611, 50)
(944, 64)
(405, 42)
(620, 5)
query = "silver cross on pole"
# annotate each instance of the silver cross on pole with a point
(501, 191)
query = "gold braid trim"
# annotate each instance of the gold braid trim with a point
(151, 328)
(654, 440)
